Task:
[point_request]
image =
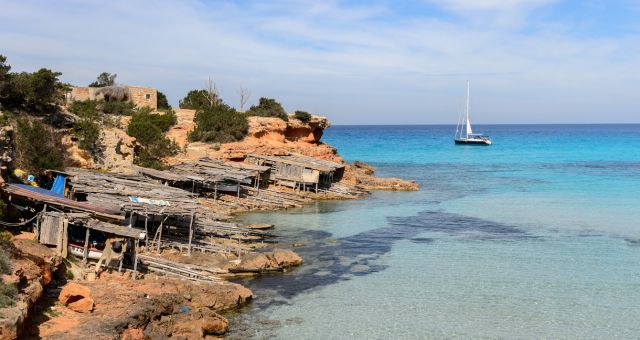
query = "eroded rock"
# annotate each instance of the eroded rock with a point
(285, 258)
(77, 298)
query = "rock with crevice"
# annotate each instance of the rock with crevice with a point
(32, 265)
(77, 298)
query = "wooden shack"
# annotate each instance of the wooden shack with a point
(170, 216)
(298, 171)
(58, 229)
(211, 176)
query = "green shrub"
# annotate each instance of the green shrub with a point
(4, 75)
(195, 100)
(8, 293)
(85, 108)
(5, 266)
(149, 129)
(38, 147)
(37, 93)
(94, 114)
(164, 121)
(104, 79)
(303, 116)
(268, 107)
(219, 124)
(119, 108)
(88, 133)
(163, 102)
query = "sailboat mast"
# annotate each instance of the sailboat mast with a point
(466, 116)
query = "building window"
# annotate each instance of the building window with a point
(147, 96)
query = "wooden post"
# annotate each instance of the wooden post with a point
(37, 231)
(146, 230)
(215, 192)
(65, 236)
(85, 252)
(59, 237)
(135, 259)
(238, 190)
(191, 232)
(160, 235)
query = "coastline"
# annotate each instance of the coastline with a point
(160, 313)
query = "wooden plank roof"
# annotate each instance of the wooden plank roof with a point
(303, 161)
(58, 201)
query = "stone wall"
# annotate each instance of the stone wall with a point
(80, 93)
(140, 96)
(143, 96)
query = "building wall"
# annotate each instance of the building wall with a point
(143, 96)
(80, 93)
(140, 96)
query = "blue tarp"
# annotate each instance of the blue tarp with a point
(39, 190)
(58, 185)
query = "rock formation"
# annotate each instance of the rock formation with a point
(32, 267)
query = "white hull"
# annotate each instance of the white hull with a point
(464, 132)
(78, 251)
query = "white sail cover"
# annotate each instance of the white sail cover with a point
(469, 131)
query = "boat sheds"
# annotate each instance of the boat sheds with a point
(299, 172)
(106, 216)
(212, 176)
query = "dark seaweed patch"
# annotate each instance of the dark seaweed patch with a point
(422, 240)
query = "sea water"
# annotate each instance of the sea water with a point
(536, 236)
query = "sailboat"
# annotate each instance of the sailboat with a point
(464, 133)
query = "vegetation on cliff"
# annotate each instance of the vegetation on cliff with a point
(198, 99)
(303, 116)
(37, 93)
(8, 291)
(149, 130)
(219, 124)
(215, 121)
(163, 102)
(38, 147)
(268, 107)
(93, 116)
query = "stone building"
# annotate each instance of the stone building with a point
(138, 95)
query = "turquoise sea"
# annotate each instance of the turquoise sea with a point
(536, 236)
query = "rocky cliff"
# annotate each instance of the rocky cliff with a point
(274, 136)
(32, 267)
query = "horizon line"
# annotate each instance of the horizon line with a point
(482, 124)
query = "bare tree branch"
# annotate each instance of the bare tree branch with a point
(213, 95)
(245, 94)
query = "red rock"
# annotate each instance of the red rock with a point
(255, 261)
(214, 325)
(285, 258)
(77, 298)
(73, 292)
(133, 334)
(84, 305)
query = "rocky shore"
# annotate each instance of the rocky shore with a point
(157, 306)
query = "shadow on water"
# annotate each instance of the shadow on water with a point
(329, 260)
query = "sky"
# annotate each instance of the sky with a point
(356, 62)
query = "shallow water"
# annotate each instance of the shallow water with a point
(536, 236)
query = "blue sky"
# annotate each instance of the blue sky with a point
(356, 62)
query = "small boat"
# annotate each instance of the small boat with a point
(464, 133)
(78, 250)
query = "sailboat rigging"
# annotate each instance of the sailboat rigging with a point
(464, 132)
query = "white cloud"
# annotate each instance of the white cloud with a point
(354, 64)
